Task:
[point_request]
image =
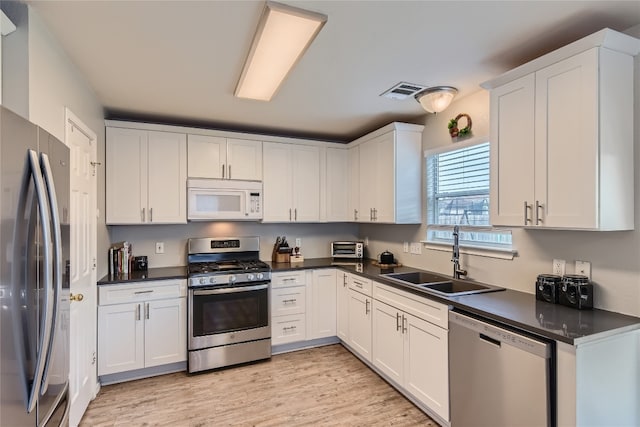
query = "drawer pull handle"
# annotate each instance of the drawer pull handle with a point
(358, 284)
(367, 310)
(287, 301)
(138, 312)
(143, 292)
(289, 328)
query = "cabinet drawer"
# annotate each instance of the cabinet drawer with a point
(141, 291)
(286, 329)
(360, 284)
(286, 301)
(289, 278)
(419, 306)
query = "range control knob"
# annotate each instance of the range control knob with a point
(232, 278)
(250, 276)
(260, 276)
(203, 281)
(212, 280)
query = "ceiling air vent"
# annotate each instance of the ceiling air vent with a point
(403, 90)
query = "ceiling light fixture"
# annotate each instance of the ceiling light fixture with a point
(284, 33)
(436, 99)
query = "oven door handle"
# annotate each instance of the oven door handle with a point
(230, 290)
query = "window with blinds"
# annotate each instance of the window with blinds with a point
(458, 194)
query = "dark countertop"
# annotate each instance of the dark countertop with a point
(512, 308)
(164, 273)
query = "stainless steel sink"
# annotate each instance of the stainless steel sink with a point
(441, 285)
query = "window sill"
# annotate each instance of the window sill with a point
(482, 251)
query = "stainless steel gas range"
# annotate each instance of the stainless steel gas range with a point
(229, 319)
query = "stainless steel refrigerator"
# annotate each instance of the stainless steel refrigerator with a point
(34, 279)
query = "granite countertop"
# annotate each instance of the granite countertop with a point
(513, 308)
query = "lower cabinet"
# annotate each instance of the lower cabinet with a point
(141, 326)
(360, 323)
(409, 350)
(322, 304)
(342, 306)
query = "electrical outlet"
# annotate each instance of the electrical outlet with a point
(405, 247)
(159, 247)
(583, 268)
(418, 248)
(298, 242)
(558, 267)
(366, 241)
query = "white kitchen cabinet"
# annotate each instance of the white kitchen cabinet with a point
(360, 323)
(409, 350)
(354, 183)
(322, 305)
(342, 306)
(224, 158)
(389, 178)
(561, 141)
(141, 325)
(337, 188)
(291, 183)
(146, 174)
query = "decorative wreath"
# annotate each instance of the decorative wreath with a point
(453, 126)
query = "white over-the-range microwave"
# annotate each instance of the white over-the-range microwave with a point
(223, 199)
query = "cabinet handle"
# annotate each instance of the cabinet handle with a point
(150, 214)
(375, 214)
(138, 312)
(344, 280)
(370, 214)
(538, 207)
(366, 309)
(355, 214)
(526, 214)
(223, 171)
(289, 279)
(289, 328)
(229, 171)
(295, 211)
(142, 214)
(398, 322)
(289, 214)
(404, 328)
(358, 284)
(143, 292)
(287, 301)
(146, 309)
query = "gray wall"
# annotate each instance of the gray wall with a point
(614, 256)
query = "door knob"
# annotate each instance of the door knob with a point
(77, 297)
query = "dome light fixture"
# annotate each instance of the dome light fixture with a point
(436, 99)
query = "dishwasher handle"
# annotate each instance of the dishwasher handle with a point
(499, 336)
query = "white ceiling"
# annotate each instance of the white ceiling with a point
(179, 61)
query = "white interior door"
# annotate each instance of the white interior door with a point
(82, 375)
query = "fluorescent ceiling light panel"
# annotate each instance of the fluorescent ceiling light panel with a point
(283, 35)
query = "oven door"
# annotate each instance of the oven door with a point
(228, 315)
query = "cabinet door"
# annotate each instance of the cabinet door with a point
(244, 159)
(126, 176)
(306, 183)
(368, 180)
(566, 136)
(342, 307)
(385, 184)
(360, 324)
(354, 183)
(165, 331)
(426, 364)
(207, 156)
(167, 178)
(337, 187)
(277, 186)
(120, 338)
(323, 304)
(512, 152)
(388, 341)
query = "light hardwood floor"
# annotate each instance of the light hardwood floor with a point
(325, 386)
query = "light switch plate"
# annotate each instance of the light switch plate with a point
(583, 268)
(298, 242)
(159, 247)
(405, 247)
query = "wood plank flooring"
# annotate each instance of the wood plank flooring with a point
(325, 386)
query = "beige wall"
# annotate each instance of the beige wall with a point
(614, 256)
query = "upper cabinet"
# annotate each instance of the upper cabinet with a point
(337, 192)
(389, 175)
(291, 183)
(146, 174)
(562, 138)
(224, 158)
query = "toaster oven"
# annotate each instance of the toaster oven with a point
(347, 249)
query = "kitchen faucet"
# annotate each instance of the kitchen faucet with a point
(457, 272)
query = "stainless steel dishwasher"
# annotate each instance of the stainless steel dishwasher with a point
(498, 377)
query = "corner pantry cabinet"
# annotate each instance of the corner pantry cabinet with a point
(390, 177)
(562, 138)
(141, 325)
(146, 175)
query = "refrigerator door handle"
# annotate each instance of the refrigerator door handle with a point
(57, 263)
(45, 330)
